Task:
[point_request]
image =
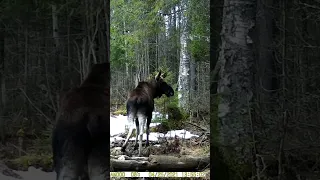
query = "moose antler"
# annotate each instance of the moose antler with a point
(163, 75)
(158, 76)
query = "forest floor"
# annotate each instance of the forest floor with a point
(191, 140)
(34, 157)
(173, 142)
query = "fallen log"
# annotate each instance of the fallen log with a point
(160, 163)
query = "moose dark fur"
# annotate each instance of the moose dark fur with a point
(140, 105)
(79, 144)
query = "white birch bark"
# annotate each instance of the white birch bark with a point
(184, 68)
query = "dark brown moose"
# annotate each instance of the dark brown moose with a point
(140, 105)
(79, 137)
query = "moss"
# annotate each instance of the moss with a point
(37, 160)
(38, 153)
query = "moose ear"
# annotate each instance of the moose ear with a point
(158, 76)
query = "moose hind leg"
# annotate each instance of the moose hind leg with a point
(69, 154)
(148, 130)
(71, 166)
(131, 124)
(98, 162)
(142, 122)
(127, 139)
(137, 133)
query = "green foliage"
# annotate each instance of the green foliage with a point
(176, 115)
(132, 24)
(43, 142)
(39, 154)
(199, 20)
(23, 9)
(121, 111)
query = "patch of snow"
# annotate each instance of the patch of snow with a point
(31, 174)
(116, 138)
(153, 136)
(117, 148)
(181, 133)
(158, 115)
(118, 123)
(154, 124)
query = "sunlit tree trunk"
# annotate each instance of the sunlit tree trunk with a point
(184, 68)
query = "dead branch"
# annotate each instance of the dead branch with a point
(198, 126)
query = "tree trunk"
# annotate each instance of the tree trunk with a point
(161, 163)
(26, 60)
(3, 82)
(107, 28)
(264, 52)
(235, 83)
(193, 78)
(184, 68)
(57, 44)
(2, 70)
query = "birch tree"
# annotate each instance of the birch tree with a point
(235, 83)
(184, 67)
